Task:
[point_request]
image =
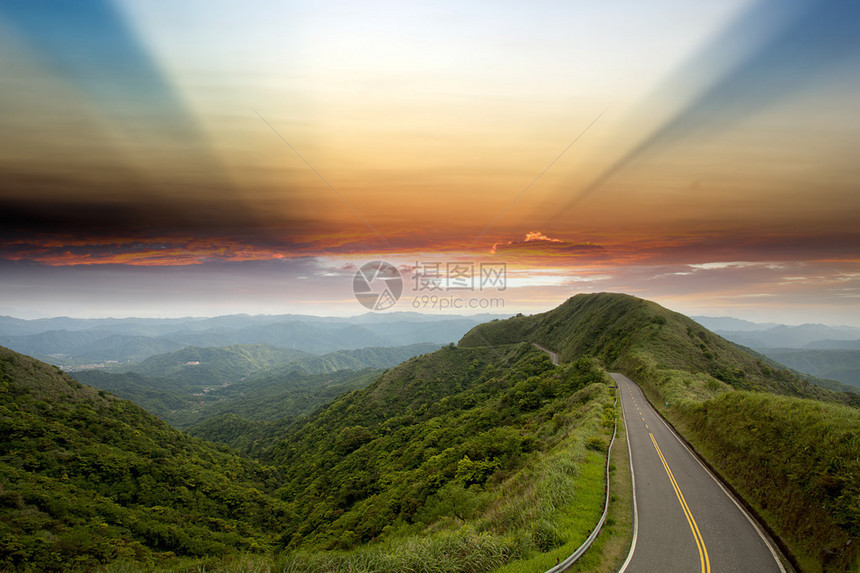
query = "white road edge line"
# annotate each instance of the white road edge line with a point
(725, 491)
(632, 487)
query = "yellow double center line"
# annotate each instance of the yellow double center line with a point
(700, 543)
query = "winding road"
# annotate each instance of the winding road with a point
(684, 519)
(552, 355)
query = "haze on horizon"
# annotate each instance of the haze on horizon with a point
(203, 160)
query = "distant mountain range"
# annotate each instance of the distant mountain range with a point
(770, 335)
(830, 352)
(73, 343)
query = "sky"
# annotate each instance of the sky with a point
(206, 158)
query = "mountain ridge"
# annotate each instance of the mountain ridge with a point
(710, 389)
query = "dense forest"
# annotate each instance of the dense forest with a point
(434, 444)
(258, 381)
(87, 478)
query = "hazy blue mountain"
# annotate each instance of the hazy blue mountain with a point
(72, 342)
(52, 341)
(256, 381)
(313, 338)
(727, 323)
(71, 349)
(834, 345)
(196, 367)
(841, 365)
(782, 336)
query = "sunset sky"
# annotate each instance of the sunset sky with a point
(203, 158)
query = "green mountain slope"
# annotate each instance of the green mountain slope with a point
(256, 382)
(498, 439)
(155, 395)
(373, 357)
(763, 428)
(446, 439)
(251, 416)
(194, 368)
(638, 335)
(86, 478)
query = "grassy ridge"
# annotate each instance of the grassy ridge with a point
(798, 466)
(615, 328)
(796, 461)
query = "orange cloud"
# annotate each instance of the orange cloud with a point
(536, 244)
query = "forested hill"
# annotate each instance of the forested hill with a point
(467, 458)
(634, 334)
(87, 478)
(439, 433)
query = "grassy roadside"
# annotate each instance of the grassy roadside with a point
(809, 497)
(609, 550)
(575, 521)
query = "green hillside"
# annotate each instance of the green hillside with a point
(715, 390)
(155, 395)
(195, 368)
(797, 460)
(86, 478)
(372, 357)
(636, 335)
(256, 382)
(468, 458)
(252, 415)
(460, 437)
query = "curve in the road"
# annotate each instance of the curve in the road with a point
(553, 355)
(674, 496)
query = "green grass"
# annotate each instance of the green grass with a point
(574, 521)
(461, 551)
(796, 461)
(609, 550)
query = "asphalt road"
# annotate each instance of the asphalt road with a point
(553, 355)
(685, 520)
